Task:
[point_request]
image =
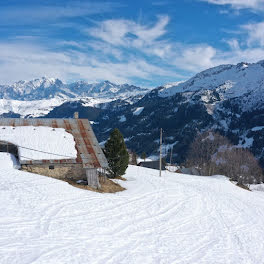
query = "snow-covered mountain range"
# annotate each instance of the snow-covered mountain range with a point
(38, 97)
(227, 98)
(229, 80)
(46, 88)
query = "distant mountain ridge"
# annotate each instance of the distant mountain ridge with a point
(226, 98)
(228, 80)
(46, 88)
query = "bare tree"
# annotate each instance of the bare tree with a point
(240, 165)
(211, 153)
(202, 151)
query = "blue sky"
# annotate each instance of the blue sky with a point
(146, 43)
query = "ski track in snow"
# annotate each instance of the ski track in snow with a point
(172, 219)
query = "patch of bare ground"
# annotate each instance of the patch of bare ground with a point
(107, 185)
(120, 178)
(241, 185)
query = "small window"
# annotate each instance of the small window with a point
(51, 167)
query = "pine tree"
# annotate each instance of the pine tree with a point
(143, 156)
(116, 154)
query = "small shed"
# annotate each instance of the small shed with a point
(152, 165)
(88, 156)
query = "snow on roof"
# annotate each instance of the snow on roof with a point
(7, 160)
(89, 153)
(40, 143)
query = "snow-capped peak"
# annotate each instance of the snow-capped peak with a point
(169, 85)
(231, 80)
(46, 88)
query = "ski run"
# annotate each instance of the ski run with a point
(175, 218)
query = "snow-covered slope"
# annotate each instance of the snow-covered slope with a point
(228, 80)
(33, 108)
(172, 219)
(8, 161)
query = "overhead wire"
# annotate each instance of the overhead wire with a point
(51, 153)
(46, 152)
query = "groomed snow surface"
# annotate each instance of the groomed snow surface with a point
(172, 219)
(40, 143)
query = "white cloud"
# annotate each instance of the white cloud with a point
(248, 55)
(130, 37)
(239, 4)
(150, 34)
(24, 61)
(255, 33)
(121, 32)
(112, 31)
(233, 44)
(195, 58)
(122, 50)
(238, 54)
(150, 40)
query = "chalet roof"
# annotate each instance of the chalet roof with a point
(89, 153)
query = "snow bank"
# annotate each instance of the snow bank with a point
(257, 187)
(7, 160)
(39, 143)
(175, 218)
(172, 168)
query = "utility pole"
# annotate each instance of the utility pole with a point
(160, 151)
(171, 155)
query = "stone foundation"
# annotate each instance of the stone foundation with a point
(58, 171)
